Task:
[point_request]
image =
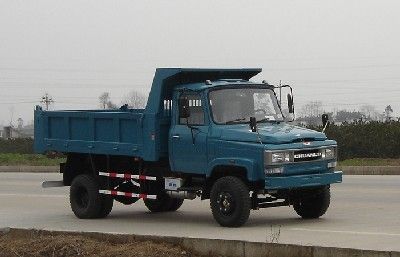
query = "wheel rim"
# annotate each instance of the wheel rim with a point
(82, 197)
(226, 204)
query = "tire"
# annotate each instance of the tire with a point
(85, 200)
(125, 187)
(176, 204)
(230, 201)
(163, 203)
(313, 204)
(107, 203)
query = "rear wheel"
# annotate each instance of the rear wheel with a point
(85, 200)
(163, 203)
(313, 203)
(230, 201)
(176, 204)
(107, 203)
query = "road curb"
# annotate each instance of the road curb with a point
(231, 248)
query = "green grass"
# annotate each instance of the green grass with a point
(370, 162)
(10, 159)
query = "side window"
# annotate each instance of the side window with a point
(196, 110)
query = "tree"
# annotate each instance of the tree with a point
(111, 105)
(11, 109)
(20, 123)
(369, 111)
(347, 116)
(135, 99)
(311, 113)
(104, 99)
(388, 113)
(312, 109)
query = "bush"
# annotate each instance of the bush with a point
(17, 145)
(366, 140)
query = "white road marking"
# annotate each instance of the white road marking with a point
(33, 195)
(344, 232)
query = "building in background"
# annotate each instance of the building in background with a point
(9, 132)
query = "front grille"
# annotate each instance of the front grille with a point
(307, 155)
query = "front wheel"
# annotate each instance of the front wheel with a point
(313, 204)
(230, 201)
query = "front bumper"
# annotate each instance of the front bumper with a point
(308, 180)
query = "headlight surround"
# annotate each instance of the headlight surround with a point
(279, 157)
(328, 153)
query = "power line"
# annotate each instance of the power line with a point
(47, 100)
(22, 102)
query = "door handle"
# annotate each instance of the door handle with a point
(176, 136)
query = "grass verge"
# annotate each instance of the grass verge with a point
(11, 159)
(370, 162)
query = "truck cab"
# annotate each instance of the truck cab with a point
(214, 131)
(208, 133)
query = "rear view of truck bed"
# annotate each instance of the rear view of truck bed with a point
(118, 132)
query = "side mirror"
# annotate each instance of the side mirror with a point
(183, 104)
(253, 124)
(290, 103)
(325, 120)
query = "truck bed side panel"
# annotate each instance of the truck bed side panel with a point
(114, 133)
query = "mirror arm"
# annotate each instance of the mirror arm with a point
(326, 125)
(325, 122)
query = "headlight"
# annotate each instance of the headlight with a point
(280, 157)
(273, 158)
(328, 153)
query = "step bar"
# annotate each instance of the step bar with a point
(126, 176)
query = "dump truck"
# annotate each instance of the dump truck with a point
(211, 134)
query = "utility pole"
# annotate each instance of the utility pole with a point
(47, 100)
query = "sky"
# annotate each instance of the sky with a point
(344, 53)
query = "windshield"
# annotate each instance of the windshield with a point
(237, 105)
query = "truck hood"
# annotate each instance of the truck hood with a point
(271, 133)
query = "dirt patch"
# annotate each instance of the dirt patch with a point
(33, 243)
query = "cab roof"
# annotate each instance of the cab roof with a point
(216, 83)
(167, 79)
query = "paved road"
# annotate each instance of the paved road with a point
(365, 213)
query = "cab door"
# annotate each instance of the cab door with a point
(188, 136)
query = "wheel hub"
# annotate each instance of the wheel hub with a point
(225, 203)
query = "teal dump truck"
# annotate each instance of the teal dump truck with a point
(208, 133)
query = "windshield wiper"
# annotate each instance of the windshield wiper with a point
(236, 121)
